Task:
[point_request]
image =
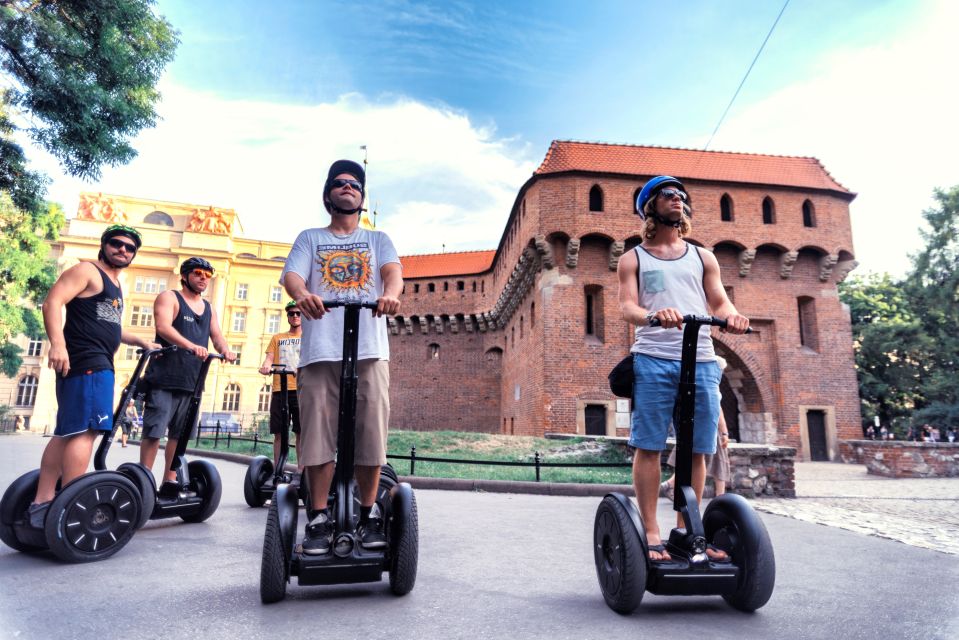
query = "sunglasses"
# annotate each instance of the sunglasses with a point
(339, 182)
(129, 247)
(671, 193)
(293, 313)
(202, 272)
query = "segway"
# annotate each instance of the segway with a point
(620, 549)
(348, 561)
(95, 515)
(261, 477)
(195, 494)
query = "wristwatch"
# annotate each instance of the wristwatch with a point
(650, 316)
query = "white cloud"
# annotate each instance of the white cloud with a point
(883, 120)
(434, 176)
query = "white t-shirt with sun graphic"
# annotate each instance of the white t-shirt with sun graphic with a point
(345, 269)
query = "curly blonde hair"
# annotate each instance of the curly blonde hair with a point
(650, 227)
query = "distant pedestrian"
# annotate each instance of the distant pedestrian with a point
(18, 423)
(951, 434)
(883, 433)
(870, 433)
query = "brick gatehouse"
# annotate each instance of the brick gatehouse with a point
(518, 340)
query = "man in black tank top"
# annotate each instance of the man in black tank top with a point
(186, 320)
(81, 353)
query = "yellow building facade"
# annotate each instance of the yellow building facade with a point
(245, 293)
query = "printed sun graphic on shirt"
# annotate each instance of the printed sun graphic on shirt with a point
(345, 269)
(110, 310)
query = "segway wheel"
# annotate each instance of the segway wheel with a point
(257, 474)
(618, 554)
(16, 499)
(274, 564)
(93, 517)
(733, 525)
(404, 540)
(205, 480)
(143, 479)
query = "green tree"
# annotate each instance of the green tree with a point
(80, 79)
(891, 347)
(933, 289)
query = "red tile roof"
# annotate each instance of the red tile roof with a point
(434, 265)
(718, 166)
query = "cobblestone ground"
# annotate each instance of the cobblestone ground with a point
(922, 512)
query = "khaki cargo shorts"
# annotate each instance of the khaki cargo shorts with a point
(318, 390)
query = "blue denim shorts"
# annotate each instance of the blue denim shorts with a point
(85, 402)
(654, 396)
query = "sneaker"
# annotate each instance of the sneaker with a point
(36, 514)
(319, 534)
(371, 532)
(171, 490)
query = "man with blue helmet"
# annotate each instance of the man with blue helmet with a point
(664, 278)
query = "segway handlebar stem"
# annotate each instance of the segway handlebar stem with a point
(712, 321)
(332, 304)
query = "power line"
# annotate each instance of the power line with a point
(761, 47)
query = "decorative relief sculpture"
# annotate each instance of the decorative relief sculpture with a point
(572, 253)
(212, 220)
(787, 261)
(746, 257)
(545, 252)
(96, 206)
(826, 263)
(615, 251)
(843, 268)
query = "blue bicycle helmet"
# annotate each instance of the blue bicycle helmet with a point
(651, 189)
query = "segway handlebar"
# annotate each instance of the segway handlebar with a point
(152, 352)
(700, 320)
(332, 304)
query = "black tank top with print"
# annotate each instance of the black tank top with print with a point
(92, 328)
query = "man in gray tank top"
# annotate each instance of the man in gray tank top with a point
(665, 278)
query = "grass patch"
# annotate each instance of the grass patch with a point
(480, 446)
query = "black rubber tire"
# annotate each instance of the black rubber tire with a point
(619, 558)
(403, 540)
(16, 499)
(93, 517)
(205, 480)
(143, 479)
(733, 525)
(274, 562)
(257, 474)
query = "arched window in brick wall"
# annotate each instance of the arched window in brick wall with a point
(593, 320)
(595, 198)
(726, 208)
(769, 211)
(434, 351)
(521, 327)
(808, 214)
(27, 391)
(808, 329)
(431, 287)
(532, 315)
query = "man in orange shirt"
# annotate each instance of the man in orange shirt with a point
(284, 348)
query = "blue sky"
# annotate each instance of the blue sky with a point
(458, 102)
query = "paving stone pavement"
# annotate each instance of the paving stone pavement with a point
(922, 512)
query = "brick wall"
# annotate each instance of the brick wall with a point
(553, 248)
(897, 459)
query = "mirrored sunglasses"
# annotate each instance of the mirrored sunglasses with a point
(202, 272)
(339, 183)
(670, 193)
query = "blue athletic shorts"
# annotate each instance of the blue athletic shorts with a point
(85, 402)
(654, 395)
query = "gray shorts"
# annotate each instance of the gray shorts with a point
(165, 412)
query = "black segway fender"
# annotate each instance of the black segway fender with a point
(146, 483)
(732, 524)
(205, 480)
(634, 517)
(287, 499)
(257, 475)
(16, 499)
